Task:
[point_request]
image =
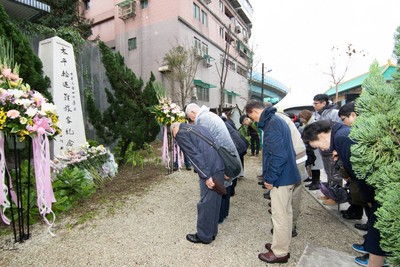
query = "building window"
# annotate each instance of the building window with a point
(204, 18)
(241, 71)
(197, 46)
(221, 6)
(201, 48)
(221, 32)
(196, 11)
(144, 3)
(229, 63)
(204, 49)
(86, 5)
(132, 44)
(203, 94)
(229, 98)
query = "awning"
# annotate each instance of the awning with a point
(230, 92)
(202, 84)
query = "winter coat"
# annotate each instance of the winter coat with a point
(329, 112)
(204, 158)
(341, 142)
(218, 129)
(279, 158)
(240, 142)
(298, 144)
(318, 164)
(252, 131)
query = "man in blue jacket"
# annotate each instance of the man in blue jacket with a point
(280, 174)
(210, 168)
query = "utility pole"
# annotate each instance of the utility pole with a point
(262, 82)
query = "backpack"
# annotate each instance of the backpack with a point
(335, 192)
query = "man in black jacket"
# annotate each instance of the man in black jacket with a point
(210, 168)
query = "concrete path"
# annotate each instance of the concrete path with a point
(315, 256)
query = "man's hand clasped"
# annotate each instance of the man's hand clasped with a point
(268, 186)
(210, 183)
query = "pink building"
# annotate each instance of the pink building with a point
(143, 31)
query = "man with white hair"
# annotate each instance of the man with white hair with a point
(202, 116)
(210, 168)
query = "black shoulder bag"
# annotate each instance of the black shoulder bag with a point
(232, 163)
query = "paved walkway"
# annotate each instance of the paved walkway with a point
(149, 229)
(315, 256)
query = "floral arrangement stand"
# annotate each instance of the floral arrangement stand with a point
(166, 113)
(25, 114)
(16, 185)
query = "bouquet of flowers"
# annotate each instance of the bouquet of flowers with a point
(24, 111)
(167, 112)
(97, 162)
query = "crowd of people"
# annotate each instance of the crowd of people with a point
(294, 148)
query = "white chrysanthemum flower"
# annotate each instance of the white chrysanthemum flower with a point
(23, 102)
(31, 112)
(16, 93)
(48, 107)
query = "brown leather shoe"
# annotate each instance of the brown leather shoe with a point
(269, 247)
(271, 258)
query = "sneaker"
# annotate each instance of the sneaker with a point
(359, 248)
(363, 261)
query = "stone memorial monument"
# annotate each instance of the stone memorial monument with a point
(58, 61)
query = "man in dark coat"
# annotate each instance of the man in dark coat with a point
(210, 168)
(280, 174)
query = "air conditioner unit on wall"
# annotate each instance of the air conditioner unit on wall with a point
(198, 52)
(207, 61)
(126, 9)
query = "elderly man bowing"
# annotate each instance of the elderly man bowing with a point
(280, 174)
(210, 168)
(204, 117)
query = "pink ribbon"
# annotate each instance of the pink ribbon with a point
(45, 195)
(178, 154)
(165, 153)
(3, 187)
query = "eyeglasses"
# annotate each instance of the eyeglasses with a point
(343, 118)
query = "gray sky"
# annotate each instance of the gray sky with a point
(294, 38)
